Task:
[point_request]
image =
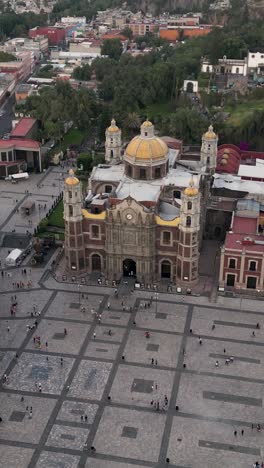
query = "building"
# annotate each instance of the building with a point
(23, 91)
(21, 68)
(55, 35)
(143, 213)
(226, 66)
(16, 155)
(242, 255)
(140, 28)
(37, 45)
(25, 129)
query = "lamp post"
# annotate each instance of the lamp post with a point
(79, 291)
(156, 296)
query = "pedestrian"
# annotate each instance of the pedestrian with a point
(8, 329)
(86, 418)
(216, 364)
(61, 361)
(252, 427)
(65, 331)
(47, 344)
(200, 340)
(258, 427)
(227, 361)
(235, 433)
(152, 361)
(257, 326)
(156, 362)
(213, 326)
(224, 350)
(109, 332)
(108, 305)
(253, 334)
(242, 432)
(94, 335)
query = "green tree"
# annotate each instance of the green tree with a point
(127, 32)
(112, 48)
(4, 57)
(82, 73)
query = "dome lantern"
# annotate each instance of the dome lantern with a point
(71, 180)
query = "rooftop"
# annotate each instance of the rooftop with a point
(105, 172)
(245, 225)
(140, 190)
(23, 127)
(21, 144)
(235, 183)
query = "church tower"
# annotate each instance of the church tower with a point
(113, 143)
(189, 227)
(208, 156)
(74, 240)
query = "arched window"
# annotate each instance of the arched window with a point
(189, 205)
(70, 210)
(111, 154)
(188, 221)
(207, 69)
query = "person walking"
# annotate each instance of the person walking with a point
(200, 340)
(94, 335)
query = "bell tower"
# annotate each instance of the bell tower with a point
(74, 240)
(189, 227)
(208, 155)
(113, 143)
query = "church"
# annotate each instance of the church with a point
(144, 212)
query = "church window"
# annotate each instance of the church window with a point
(252, 266)
(188, 221)
(237, 70)
(111, 154)
(232, 263)
(112, 141)
(70, 210)
(146, 133)
(209, 146)
(208, 160)
(189, 205)
(157, 173)
(95, 231)
(142, 173)
(177, 194)
(70, 194)
(129, 171)
(108, 188)
(166, 237)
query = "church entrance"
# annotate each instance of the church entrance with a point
(189, 88)
(165, 269)
(129, 267)
(96, 262)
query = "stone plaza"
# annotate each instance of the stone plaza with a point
(102, 383)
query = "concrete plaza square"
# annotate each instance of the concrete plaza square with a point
(173, 322)
(62, 306)
(112, 317)
(73, 410)
(32, 369)
(102, 333)
(67, 437)
(15, 457)
(51, 460)
(16, 334)
(145, 446)
(228, 324)
(27, 429)
(102, 350)
(52, 332)
(221, 398)
(26, 300)
(126, 391)
(90, 379)
(213, 444)
(162, 347)
(248, 358)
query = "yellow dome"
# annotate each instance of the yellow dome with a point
(147, 123)
(146, 149)
(210, 134)
(71, 180)
(113, 127)
(191, 191)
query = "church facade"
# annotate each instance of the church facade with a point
(143, 214)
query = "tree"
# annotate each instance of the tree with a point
(127, 32)
(112, 48)
(5, 57)
(82, 73)
(132, 121)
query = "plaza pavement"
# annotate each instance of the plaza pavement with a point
(73, 411)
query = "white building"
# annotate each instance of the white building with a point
(254, 60)
(226, 66)
(74, 20)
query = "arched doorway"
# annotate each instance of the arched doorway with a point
(129, 267)
(165, 269)
(189, 87)
(96, 262)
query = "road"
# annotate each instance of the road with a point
(6, 118)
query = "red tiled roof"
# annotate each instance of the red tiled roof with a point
(239, 242)
(228, 159)
(244, 225)
(19, 144)
(23, 127)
